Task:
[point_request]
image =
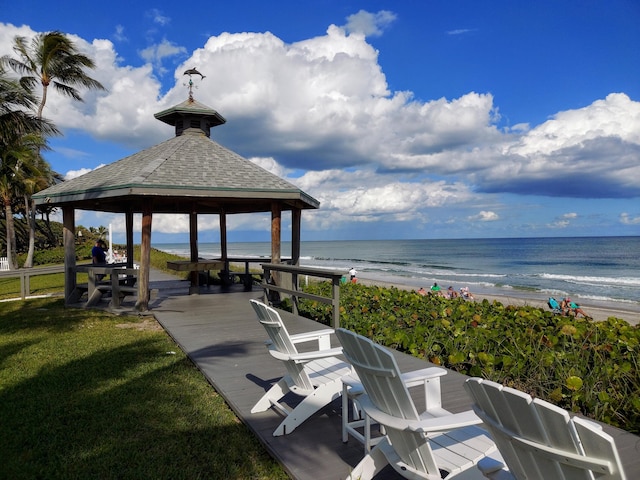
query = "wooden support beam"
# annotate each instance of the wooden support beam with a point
(193, 246)
(128, 220)
(296, 222)
(145, 259)
(276, 226)
(224, 252)
(69, 242)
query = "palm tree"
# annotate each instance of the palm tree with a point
(50, 59)
(15, 120)
(17, 158)
(36, 175)
(20, 133)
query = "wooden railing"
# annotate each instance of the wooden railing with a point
(292, 289)
(25, 274)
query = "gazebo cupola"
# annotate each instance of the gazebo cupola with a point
(191, 117)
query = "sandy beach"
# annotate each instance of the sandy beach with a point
(597, 311)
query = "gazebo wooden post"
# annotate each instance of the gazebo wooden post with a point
(276, 226)
(145, 258)
(69, 242)
(193, 249)
(128, 221)
(224, 252)
(296, 221)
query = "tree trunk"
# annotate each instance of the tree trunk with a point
(30, 214)
(11, 236)
(51, 238)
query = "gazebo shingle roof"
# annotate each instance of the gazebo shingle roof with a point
(186, 172)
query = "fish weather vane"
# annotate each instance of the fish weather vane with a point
(190, 72)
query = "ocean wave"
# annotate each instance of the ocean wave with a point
(622, 281)
(358, 260)
(600, 298)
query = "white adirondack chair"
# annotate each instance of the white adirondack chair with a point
(315, 375)
(417, 448)
(539, 440)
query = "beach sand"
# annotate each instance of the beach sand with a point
(597, 311)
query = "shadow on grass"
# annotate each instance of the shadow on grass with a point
(41, 313)
(133, 411)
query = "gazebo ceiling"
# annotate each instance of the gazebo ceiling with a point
(189, 173)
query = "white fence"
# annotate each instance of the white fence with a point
(4, 263)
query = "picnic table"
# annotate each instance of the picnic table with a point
(121, 282)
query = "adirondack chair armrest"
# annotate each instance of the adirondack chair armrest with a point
(427, 425)
(354, 383)
(449, 422)
(323, 337)
(418, 377)
(429, 378)
(308, 356)
(411, 379)
(490, 466)
(304, 356)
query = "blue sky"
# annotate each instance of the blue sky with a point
(405, 119)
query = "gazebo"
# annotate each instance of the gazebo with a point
(188, 174)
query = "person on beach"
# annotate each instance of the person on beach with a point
(352, 275)
(568, 307)
(465, 293)
(436, 289)
(422, 291)
(451, 293)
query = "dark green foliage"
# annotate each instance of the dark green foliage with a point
(47, 235)
(583, 366)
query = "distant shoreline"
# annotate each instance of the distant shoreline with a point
(597, 311)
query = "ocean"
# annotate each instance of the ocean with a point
(592, 270)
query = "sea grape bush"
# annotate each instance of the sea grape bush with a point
(580, 365)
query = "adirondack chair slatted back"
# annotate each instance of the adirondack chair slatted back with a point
(540, 440)
(379, 373)
(281, 342)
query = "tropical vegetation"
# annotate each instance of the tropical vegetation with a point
(49, 59)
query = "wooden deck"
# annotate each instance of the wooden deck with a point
(220, 333)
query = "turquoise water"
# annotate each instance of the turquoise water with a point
(598, 269)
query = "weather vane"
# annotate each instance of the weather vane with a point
(192, 71)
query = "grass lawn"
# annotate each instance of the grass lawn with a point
(86, 394)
